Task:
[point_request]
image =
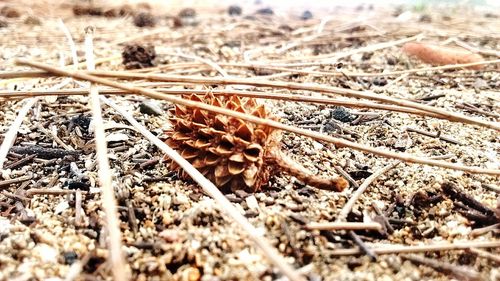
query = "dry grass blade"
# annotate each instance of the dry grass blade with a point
(108, 198)
(318, 136)
(270, 252)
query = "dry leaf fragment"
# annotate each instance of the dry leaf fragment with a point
(441, 55)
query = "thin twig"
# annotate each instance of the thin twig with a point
(6, 183)
(485, 254)
(362, 245)
(343, 226)
(108, 198)
(396, 249)
(209, 188)
(460, 272)
(71, 42)
(271, 123)
(49, 191)
(354, 198)
(10, 136)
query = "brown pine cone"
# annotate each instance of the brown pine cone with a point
(230, 152)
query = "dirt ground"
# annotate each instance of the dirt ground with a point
(171, 229)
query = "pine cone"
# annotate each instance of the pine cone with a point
(230, 152)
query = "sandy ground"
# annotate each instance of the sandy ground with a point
(171, 229)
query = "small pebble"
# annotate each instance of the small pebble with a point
(150, 108)
(180, 199)
(234, 10)
(144, 19)
(187, 13)
(265, 11)
(342, 114)
(69, 257)
(306, 15)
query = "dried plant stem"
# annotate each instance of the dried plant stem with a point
(485, 254)
(451, 116)
(344, 226)
(10, 136)
(291, 167)
(51, 191)
(366, 183)
(397, 249)
(71, 42)
(318, 136)
(250, 94)
(271, 253)
(461, 272)
(108, 198)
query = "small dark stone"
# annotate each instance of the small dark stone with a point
(360, 174)
(85, 186)
(366, 55)
(136, 56)
(3, 24)
(306, 15)
(425, 18)
(144, 19)
(70, 257)
(251, 214)
(265, 11)
(342, 114)
(392, 60)
(233, 198)
(298, 218)
(241, 193)
(86, 10)
(379, 81)
(81, 121)
(234, 10)
(187, 13)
